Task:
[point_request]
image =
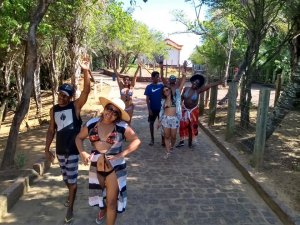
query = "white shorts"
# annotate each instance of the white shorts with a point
(170, 122)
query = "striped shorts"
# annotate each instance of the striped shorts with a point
(69, 167)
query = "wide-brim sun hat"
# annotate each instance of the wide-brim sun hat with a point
(117, 102)
(199, 77)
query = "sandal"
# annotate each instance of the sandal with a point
(180, 144)
(100, 217)
(167, 155)
(69, 221)
(67, 203)
(151, 143)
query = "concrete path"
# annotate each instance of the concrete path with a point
(194, 186)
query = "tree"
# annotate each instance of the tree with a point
(218, 29)
(13, 31)
(30, 63)
(114, 32)
(256, 18)
(290, 97)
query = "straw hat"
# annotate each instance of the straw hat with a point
(117, 102)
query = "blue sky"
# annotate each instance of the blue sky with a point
(156, 14)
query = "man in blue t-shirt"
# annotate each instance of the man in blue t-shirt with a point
(153, 100)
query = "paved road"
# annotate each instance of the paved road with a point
(198, 186)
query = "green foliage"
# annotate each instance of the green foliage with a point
(113, 31)
(14, 21)
(20, 160)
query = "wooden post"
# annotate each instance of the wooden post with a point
(278, 88)
(230, 128)
(273, 76)
(213, 105)
(206, 98)
(166, 70)
(201, 104)
(261, 126)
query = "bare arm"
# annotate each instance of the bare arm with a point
(49, 137)
(120, 83)
(86, 87)
(208, 86)
(81, 136)
(148, 104)
(92, 77)
(134, 143)
(182, 80)
(135, 75)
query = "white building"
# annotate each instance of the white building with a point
(173, 58)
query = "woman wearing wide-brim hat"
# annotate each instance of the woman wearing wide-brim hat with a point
(188, 128)
(107, 175)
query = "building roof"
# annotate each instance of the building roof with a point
(173, 44)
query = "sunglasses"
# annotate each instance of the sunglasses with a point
(165, 90)
(114, 112)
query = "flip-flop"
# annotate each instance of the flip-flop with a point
(100, 217)
(69, 221)
(67, 203)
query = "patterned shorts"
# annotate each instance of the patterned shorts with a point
(69, 168)
(170, 122)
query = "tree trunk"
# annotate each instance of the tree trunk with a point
(37, 91)
(74, 52)
(245, 100)
(19, 83)
(30, 61)
(290, 97)
(2, 111)
(229, 51)
(52, 69)
(7, 93)
(125, 62)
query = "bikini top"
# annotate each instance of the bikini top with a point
(173, 104)
(94, 135)
(194, 97)
(125, 92)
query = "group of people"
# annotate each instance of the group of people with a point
(108, 132)
(175, 106)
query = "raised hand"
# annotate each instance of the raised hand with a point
(85, 62)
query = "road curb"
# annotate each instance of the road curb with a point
(21, 185)
(280, 209)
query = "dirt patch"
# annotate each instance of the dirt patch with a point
(281, 168)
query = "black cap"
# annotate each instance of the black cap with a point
(67, 89)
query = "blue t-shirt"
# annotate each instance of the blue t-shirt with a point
(154, 92)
